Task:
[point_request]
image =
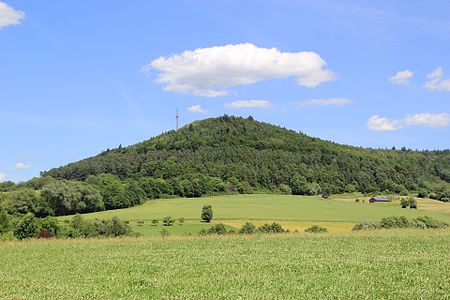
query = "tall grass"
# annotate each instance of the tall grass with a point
(411, 264)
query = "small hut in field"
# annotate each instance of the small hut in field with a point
(379, 199)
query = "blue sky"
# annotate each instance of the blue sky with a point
(77, 77)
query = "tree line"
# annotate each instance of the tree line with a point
(46, 196)
(29, 226)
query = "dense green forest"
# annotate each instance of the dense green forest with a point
(227, 155)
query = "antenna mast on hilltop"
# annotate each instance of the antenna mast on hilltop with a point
(177, 116)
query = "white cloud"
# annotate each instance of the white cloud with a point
(426, 119)
(22, 166)
(401, 77)
(2, 176)
(249, 104)
(378, 123)
(209, 72)
(9, 16)
(325, 102)
(436, 82)
(197, 109)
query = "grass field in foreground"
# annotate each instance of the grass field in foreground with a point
(293, 212)
(411, 264)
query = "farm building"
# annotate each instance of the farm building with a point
(379, 199)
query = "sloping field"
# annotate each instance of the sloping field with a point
(409, 264)
(265, 207)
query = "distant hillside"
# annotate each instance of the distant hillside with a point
(262, 156)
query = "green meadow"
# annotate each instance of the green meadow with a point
(341, 264)
(385, 264)
(338, 214)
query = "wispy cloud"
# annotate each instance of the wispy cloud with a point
(22, 166)
(209, 72)
(248, 104)
(2, 176)
(326, 102)
(382, 16)
(436, 82)
(197, 109)
(401, 77)
(378, 123)
(9, 16)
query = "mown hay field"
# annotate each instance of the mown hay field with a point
(381, 264)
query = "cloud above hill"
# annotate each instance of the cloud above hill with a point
(2, 176)
(9, 16)
(436, 82)
(248, 104)
(326, 102)
(209, 72)
(197, 109)
(22, 166)
(378, 123)
(401, 77)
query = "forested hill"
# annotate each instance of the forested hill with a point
(261, 155)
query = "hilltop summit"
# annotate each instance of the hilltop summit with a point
(264, 156)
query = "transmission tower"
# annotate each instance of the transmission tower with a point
(177, 116)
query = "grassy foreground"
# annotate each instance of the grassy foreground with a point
(411, 264)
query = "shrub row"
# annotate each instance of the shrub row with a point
(29, 226)
(401, 222)
(249, 228)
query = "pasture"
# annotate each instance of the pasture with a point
(338, 214)
(411, 264)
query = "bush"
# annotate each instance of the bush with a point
(428, 222)
(365, 225)
(140, 223)
(394, 222)
(112, 228)
(50, 224)
(422, 194)
(404, 203)
(316, 229)
(402, 222)
(181, 221)
(285, 189)
(4, 221)
(155, 222)
(271, 228)
(79, 227)
(207, 213)
(247, 228)
(418, 224)
(412, 202)
(219, 229)
(7, 236)
(26, 227)
(168, 221)
(356, 200)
